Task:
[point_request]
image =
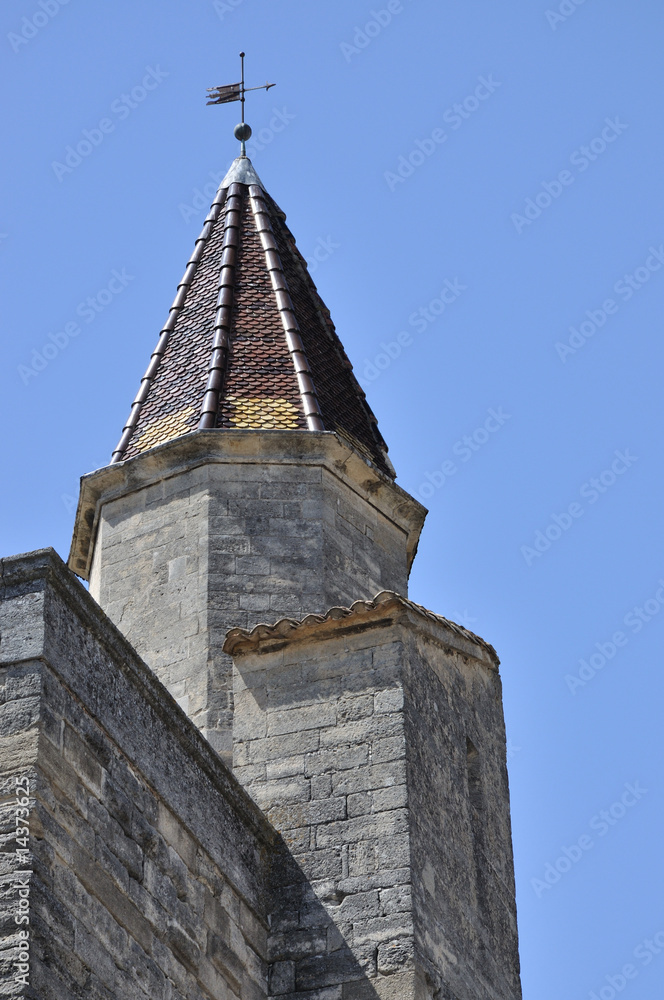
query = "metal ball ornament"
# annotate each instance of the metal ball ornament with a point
(242, 132)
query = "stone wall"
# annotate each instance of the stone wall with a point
(150, 574)
(20, 704)
(373, 741)
(460, 833)
(189, 542)
(319, 744)
(150, 863)
(352, 735)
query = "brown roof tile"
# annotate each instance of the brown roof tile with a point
(248, 341)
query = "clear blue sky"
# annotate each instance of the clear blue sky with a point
(532, 207)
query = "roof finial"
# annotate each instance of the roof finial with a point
(236, 92)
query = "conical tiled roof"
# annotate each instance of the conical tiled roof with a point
(248, 342)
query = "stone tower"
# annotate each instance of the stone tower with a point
(249, 542)
(250, 481)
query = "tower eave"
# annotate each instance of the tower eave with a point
(329, 449)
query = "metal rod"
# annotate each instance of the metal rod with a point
(263, 86)
(242, 86)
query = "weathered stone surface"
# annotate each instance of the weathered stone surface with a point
(218, 530)
(149, 862)
(400, 836)
(373, 858)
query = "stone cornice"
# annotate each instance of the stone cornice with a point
(323, 448)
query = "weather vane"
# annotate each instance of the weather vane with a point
(236, 92)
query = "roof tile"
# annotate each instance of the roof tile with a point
(248, 341)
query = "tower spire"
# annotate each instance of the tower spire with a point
(236, 92)
(248, 344)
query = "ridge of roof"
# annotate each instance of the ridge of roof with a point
(224, 312)
(285, 627)
(286, 310)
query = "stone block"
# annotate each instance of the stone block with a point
(82, 759)
(255, 602)
(297, 943)
(389, 748)
(350, 709)
(255, 751)
(349, 733)
(232, 545)
(358, 907)
(282, 978)
(359, 804)
(321, 786)
(285, 768)
(394, 797)
(336, 761)
(252, 565)
(374, 776)
(17, 716)
(389, 700)
(226, 960)
(298, 839)
(280, 792)
(254, 930)
(396, 899)
(296, 815)
(316, 973)
(299, 719)
(249, 774)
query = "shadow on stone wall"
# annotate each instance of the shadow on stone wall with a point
(307, 948)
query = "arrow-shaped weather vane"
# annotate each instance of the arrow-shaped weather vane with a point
(236, 92)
